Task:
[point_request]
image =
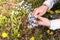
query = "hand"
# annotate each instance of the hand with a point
(40, 11)
(44, 21)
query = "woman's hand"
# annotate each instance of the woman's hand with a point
(44, 21)
(40, 11)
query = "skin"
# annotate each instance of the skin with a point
(39, 12)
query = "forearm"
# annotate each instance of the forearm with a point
(50, 3)
(55, 24)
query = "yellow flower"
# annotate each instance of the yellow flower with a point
(19, 35)
(57, 11)
(4, 35)
(51, 33)
(50, 11)
(48, 31)
(32, 38)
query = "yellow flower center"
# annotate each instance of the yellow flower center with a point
(32, 38)
(4, 34)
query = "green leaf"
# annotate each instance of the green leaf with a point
(15, 31)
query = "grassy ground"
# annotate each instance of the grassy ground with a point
(13, 22)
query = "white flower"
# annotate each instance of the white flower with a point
(21, 3)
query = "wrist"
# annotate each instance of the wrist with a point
(49, 3)
(45, 6)
(49, 24)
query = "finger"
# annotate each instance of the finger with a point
(37, 12)
(34, 11)
(40, 14)
(40, 18)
